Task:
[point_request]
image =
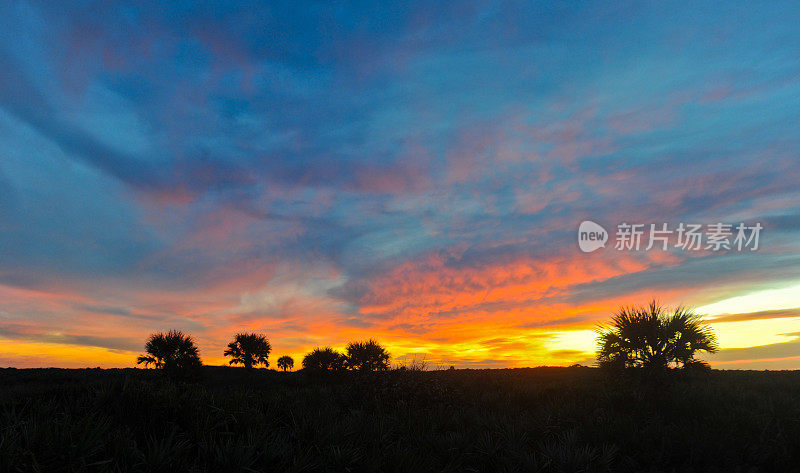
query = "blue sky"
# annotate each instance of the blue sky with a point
(417, 173)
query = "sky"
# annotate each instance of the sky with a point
(417, 174)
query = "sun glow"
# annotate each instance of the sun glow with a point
(574, 340)
(23, 354)
(753, 333)
(759, 301)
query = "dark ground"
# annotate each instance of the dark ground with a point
(542, 419)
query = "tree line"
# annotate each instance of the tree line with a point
(646, 339)
(177, 353)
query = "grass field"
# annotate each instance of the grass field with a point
(542, 419)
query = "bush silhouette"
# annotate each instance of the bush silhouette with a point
(249, 349)
(324, 360)
(367, 356)
(285, 363)
(654, 339)
(174, 352)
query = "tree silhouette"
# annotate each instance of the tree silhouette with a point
(652, 338)
(367, 356)
(285, 363)
(324, 359)
(174, 352)
(249, 349)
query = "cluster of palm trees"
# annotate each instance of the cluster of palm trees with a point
(359, 356)
(177, 353)
(173, 352)
(652, 339)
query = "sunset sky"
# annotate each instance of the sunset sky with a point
(325, 173)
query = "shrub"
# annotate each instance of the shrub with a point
(324, 359)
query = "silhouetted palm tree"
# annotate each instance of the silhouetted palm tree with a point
(324, 359)
(285, 363)
(650, 337)
(173, 351)
(249, 349)
(367, 356)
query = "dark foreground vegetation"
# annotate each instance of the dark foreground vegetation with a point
(543, 419)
